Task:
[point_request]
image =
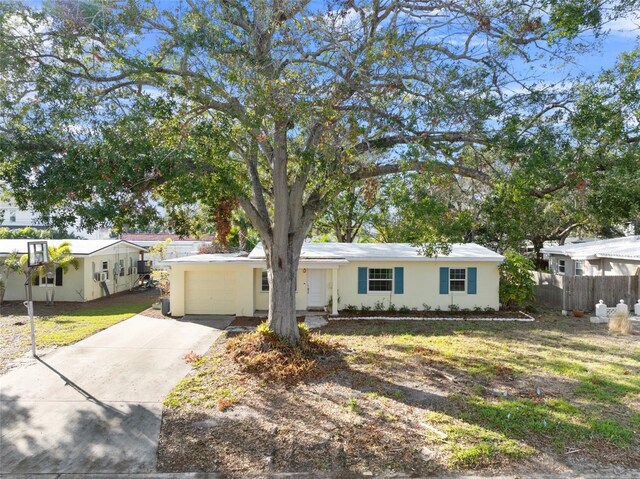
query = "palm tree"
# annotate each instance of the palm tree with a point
(59, 257)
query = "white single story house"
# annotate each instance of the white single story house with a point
(104, 265)
(357, 274)
(609, 257)
(177, 248)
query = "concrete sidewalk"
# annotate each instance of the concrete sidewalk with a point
(96, 406)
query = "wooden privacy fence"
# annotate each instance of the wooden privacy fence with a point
(583, 292)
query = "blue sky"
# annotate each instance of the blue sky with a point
(623, 35)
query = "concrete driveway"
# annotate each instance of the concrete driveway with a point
(96, 406)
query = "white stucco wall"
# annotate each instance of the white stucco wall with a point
(262, 298)
(613, 267)
(242, 291)
(421, 286)
(72, 288)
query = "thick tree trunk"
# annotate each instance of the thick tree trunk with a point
(283, 243)
(282, 271)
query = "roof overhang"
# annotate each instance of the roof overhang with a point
(22, 247)
(205, 259)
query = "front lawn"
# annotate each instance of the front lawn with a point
(76, 325)
(65, 323)
(418, 398)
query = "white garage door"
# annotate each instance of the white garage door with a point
(210, 292)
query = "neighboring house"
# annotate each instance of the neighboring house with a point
(13, 217)
(355, 273)
(178, 248)
(110, 264)
(610, 257)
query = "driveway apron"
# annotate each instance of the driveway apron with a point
(96, 406)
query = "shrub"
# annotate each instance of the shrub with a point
(426, 307)
(404, 309)
(454, 308)
(619, 323)
(477, 309)
(391, 308)
(517, 287)
(351, 308)
(489, 309)
(379, 305)
(364, 308)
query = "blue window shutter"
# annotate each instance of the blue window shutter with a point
(398, 287)
(362, 280)
(472, 280)
(444, 280)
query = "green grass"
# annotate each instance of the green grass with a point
(76, 325)
(352, 405)
(205, 388)
(594, 379)
(471, 446)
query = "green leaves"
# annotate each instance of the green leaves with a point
(517, 287)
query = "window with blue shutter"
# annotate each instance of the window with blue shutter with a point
(472, 274)
(398, 286)
(444, 280)
(362, 280)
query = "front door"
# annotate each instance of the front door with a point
(316, 292)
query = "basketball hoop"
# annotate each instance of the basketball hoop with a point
(37, 253)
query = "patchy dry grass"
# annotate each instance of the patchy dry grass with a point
(205, 388)
(418, 398)
(57, 327)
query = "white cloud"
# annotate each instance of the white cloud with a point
(628, 27)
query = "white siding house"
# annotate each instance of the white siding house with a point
(610, 257)
(112, 262)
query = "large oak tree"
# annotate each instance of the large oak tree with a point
(275, 105)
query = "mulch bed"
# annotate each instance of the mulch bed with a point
(470, 315)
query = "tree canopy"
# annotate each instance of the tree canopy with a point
(112, 108)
